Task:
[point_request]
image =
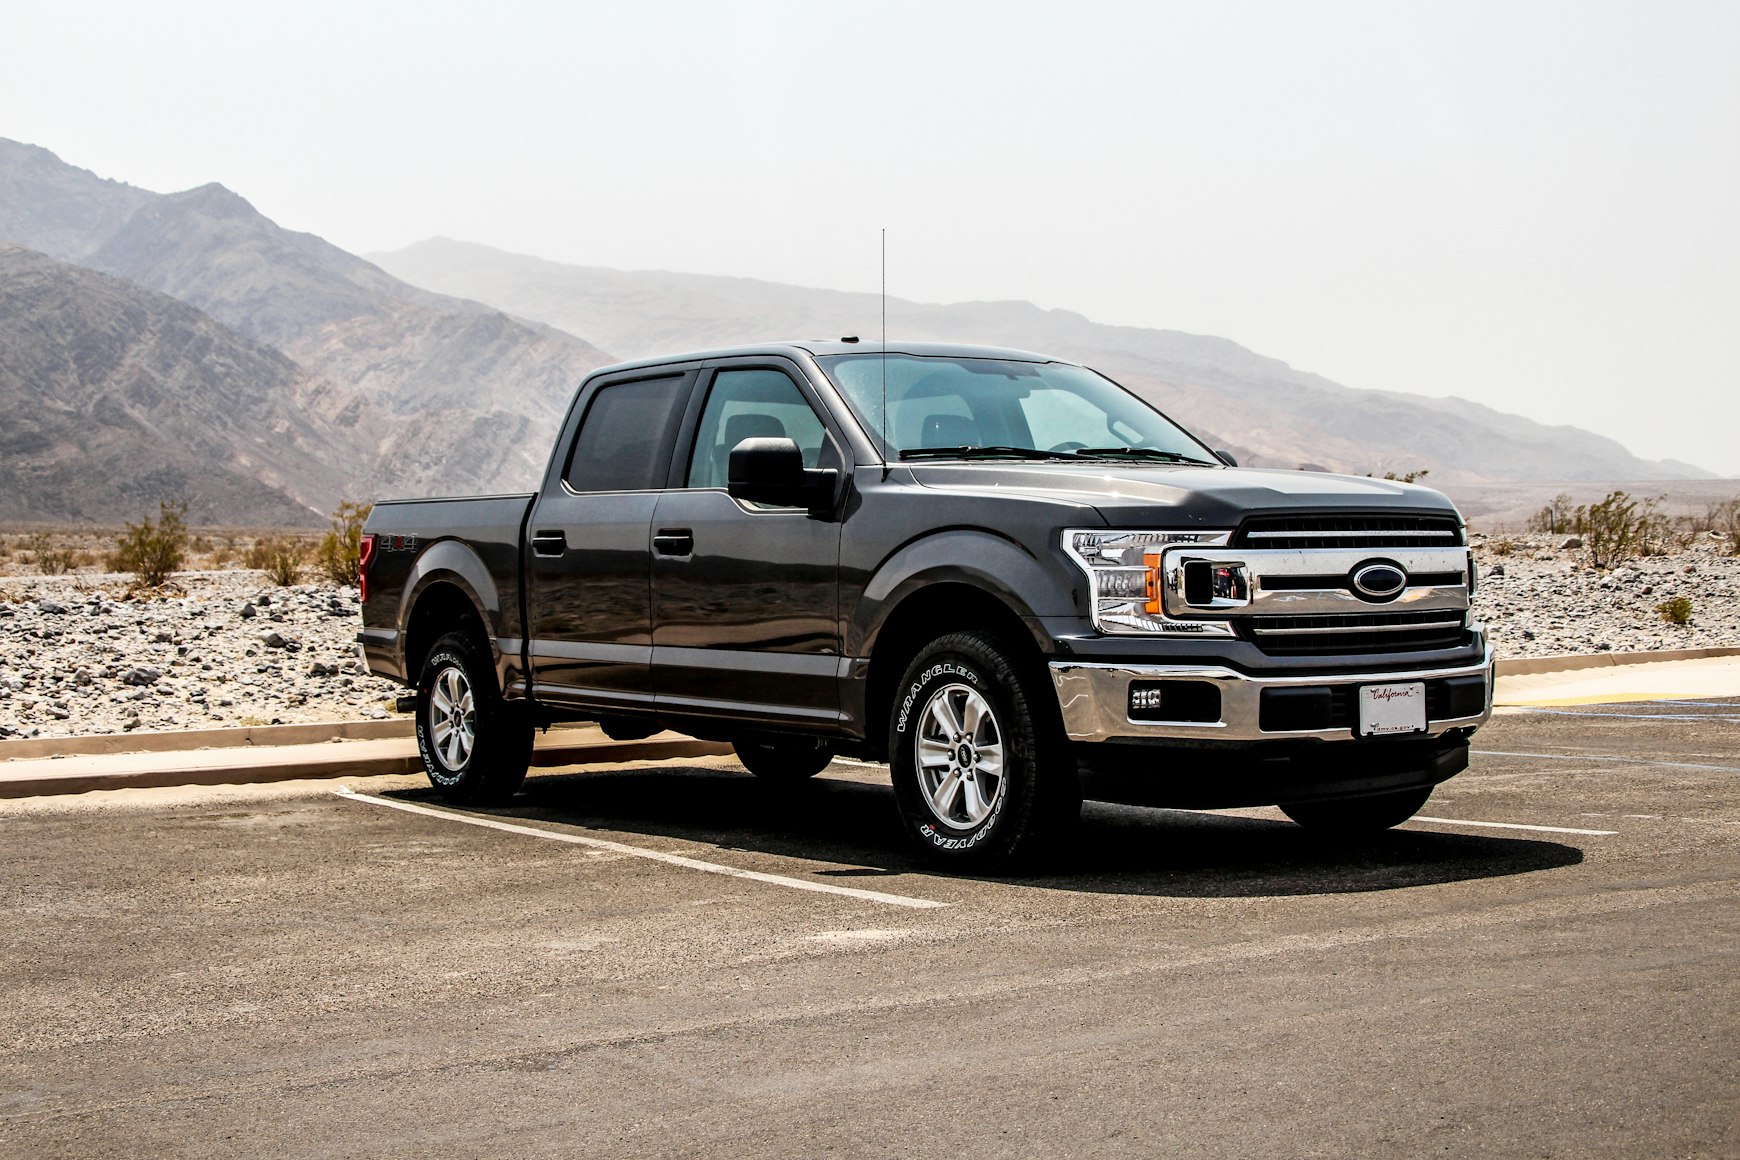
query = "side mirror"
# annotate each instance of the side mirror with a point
(1226, 457)
(772, 471)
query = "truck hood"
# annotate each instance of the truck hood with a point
(1181, 496)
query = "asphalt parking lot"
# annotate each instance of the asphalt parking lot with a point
(677, 959)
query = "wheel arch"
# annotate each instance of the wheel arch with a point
(924, 612)
(451, 588)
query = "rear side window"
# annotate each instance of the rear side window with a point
(751, 404)
(625, 439)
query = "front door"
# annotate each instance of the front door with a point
(745, 596)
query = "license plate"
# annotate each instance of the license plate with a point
(1399, 708)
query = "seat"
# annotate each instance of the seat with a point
(752, 426)
(948, 431)
(748, 425)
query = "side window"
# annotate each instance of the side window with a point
(625, 437)
(751, 404)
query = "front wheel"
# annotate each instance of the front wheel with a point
(980, 768)
(1361, 815)
(475, 746)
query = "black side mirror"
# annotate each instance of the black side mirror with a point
(1226, 458)
(772, 471)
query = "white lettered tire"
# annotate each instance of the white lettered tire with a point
(981, 771)
(475, 746)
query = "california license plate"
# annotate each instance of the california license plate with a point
(1398, 708)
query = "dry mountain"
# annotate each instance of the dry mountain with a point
(116, 397)
(1260, 408)
(467, 396)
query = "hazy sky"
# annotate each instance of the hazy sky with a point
(1533, 205)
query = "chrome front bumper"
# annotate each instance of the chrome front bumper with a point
(1095, 700)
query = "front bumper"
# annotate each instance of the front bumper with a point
(1095, 701)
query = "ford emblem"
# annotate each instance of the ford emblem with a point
(1378, 581)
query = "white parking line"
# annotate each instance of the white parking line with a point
(638, 852)
(1513, 826)
(1635, 716)
(1595, 757)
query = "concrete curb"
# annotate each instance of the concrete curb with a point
(249, 765)
(182, 740)
(1528, 666)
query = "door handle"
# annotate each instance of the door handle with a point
(549, 543)
(674, 542)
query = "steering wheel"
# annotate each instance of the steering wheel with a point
(1072, 445)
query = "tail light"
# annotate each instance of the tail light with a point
(362, 566)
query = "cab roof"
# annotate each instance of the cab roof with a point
(816, 347)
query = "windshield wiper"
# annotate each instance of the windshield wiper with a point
(991, 452)
(1139, 453)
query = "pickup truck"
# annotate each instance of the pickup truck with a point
(1004, 575)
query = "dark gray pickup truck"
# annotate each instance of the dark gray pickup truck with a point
(1004, 575)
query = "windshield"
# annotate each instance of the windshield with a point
(945, 408)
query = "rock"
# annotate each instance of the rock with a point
(52, 607)
(248, 612)
(1570, 543)
(141, 676)
(1495, 571)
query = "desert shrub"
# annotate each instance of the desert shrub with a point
(1413, 476)
(224, 554)
(279, 558)
(1558, 516)
(1675, 610)
(1504, 547)
(1615, 528)
(50, 559)
(339, 556)
(1725, 518)
(153, 549)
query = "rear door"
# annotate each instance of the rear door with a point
(745, 596)
(588, 607)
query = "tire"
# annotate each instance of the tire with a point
(784, 759)
(981, 770)
(1361, 815)
(475, 746)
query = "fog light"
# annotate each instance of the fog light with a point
(1189, 701)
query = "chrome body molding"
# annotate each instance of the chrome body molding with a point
(1094, 699)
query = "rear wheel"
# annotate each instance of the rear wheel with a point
(475, 746)
(980, 768)
(784, 759)
(1361, 815)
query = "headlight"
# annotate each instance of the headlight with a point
(1125, 577)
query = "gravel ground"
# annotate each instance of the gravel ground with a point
(1544, 600)
(82, 658)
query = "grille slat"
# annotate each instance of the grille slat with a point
(1358, 531)
(1366, 633)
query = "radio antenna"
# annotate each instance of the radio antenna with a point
(887, 446)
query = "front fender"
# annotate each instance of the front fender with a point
(1006, 569)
